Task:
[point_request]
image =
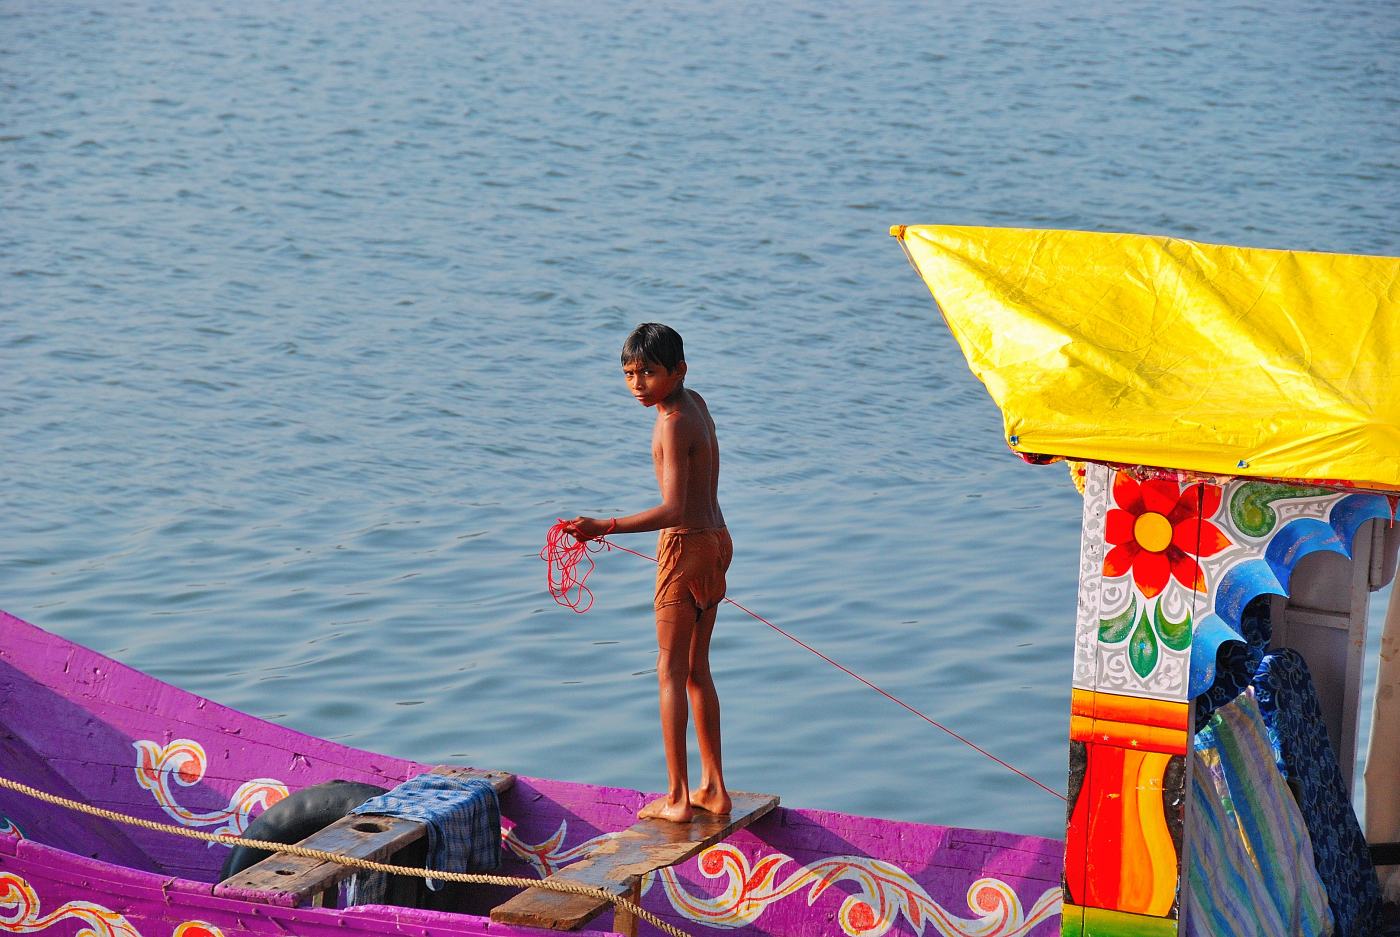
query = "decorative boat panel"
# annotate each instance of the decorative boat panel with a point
(1168, 563)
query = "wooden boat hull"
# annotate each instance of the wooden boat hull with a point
(81, 725)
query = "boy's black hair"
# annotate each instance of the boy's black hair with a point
(654, 342)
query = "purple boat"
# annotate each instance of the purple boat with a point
(83, 726)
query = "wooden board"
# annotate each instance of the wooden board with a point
(359, 836)
(618, 865)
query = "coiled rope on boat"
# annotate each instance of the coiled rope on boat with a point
(468, 878)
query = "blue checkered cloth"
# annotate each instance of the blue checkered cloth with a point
(463, 819)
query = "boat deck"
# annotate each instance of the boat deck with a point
(617, 866)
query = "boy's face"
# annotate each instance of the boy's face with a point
(650, 383)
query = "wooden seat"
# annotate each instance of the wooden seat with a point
(617, 866)
(360, 836)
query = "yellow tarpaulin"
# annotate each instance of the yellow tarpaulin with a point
(1153, 351)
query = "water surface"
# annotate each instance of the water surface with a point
(310, 319)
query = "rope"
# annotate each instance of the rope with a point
(568, 557)
(469, 878)
(563, 558)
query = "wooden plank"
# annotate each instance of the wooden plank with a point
(625, 922)
(618, 864)
(502, 781)
(359, 836)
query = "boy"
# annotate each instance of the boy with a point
(693, 551)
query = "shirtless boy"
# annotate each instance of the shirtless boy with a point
(694, 553)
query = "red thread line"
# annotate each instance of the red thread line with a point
(568, 555)
(563, 554)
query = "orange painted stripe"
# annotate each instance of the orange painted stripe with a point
(1135, 869)
(1157, 837)
(1115, 708)
(1128, 735)
(1081, 703)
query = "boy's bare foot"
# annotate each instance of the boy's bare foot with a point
(663, 809)
(715, 801)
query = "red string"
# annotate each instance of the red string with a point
(563, 553)
(566, 558)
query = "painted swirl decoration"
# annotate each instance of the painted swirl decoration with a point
(24, 915)
(550, 856)
(197, 929)
(184, 761)
(885, 893)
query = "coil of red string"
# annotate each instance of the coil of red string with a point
(564, 553)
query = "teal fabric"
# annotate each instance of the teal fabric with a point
(1226, 896)
(1234, 748)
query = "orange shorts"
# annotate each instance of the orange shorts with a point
(691, 564)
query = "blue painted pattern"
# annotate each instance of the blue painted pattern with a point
(1236, 662)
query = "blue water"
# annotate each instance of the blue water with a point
(309, 321)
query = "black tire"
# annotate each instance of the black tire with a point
(296, 817)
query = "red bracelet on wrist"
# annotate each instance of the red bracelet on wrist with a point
(611, 527)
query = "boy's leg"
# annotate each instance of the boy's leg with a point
(711, 795)
(675, 628)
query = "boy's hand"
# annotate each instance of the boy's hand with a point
(587, 528)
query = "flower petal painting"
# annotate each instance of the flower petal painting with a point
(1158, 530)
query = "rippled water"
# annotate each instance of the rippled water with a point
(310, 318)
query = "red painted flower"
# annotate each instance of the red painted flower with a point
(1158, 530)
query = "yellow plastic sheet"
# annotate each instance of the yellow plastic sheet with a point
(1152, 351)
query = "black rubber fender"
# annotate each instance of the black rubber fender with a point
(297, 816)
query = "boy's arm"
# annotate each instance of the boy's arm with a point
(675, 475)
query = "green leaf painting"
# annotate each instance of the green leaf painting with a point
(1113, 630)
(1142, 648)
(1251, 504)
(1175, 634)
